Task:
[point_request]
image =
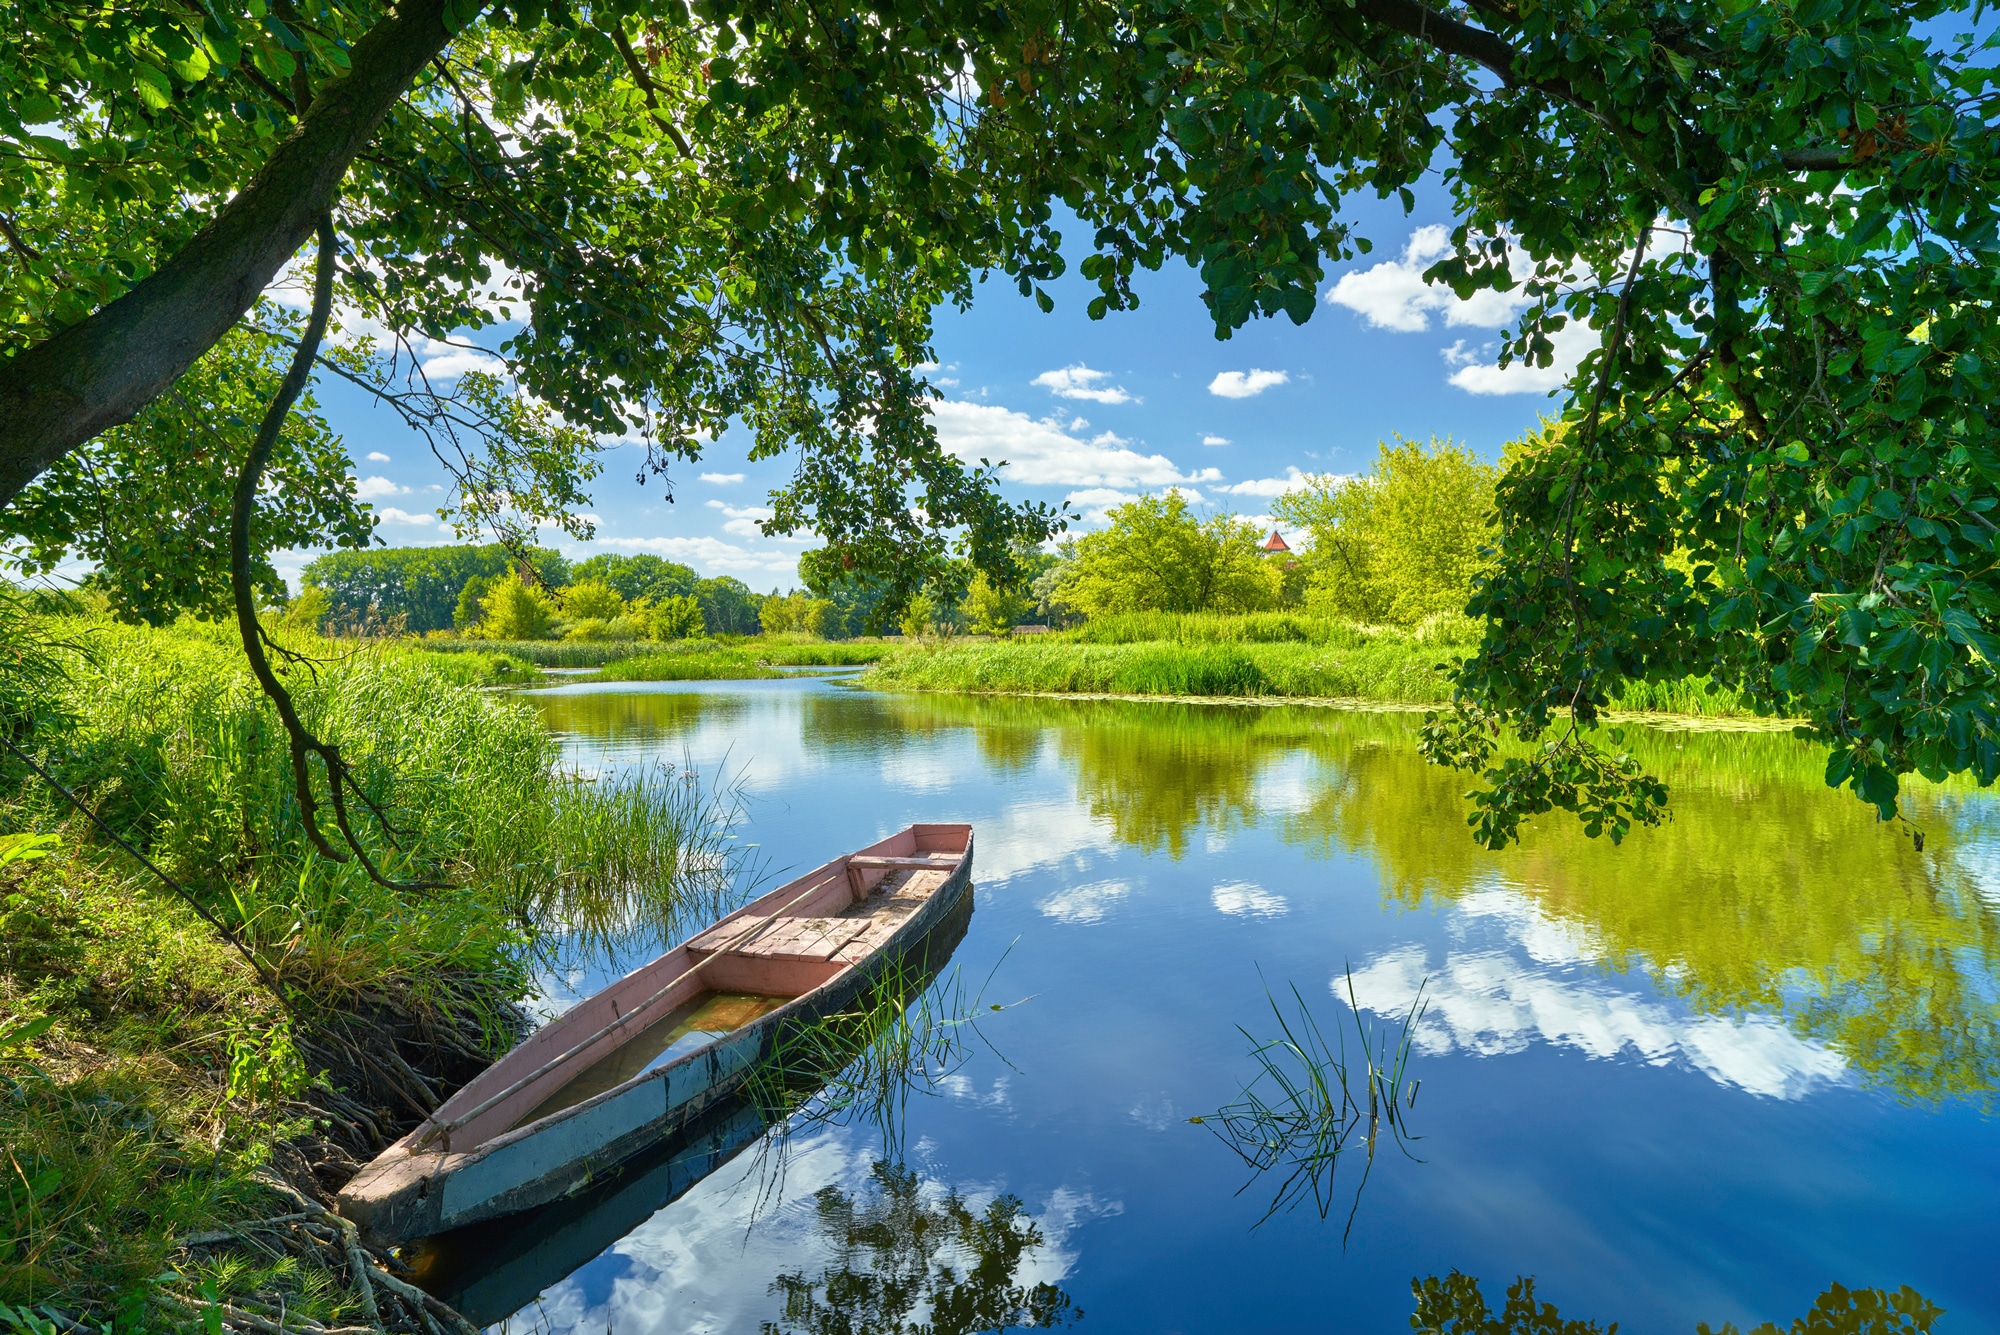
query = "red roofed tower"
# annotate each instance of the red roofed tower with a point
(1276, 543)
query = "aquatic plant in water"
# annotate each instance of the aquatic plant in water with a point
(1308, 1103)
(907, 1035)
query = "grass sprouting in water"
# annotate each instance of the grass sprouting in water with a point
(908, 1034)
(1308, 1102)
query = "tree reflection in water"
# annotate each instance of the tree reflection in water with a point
(907, 1263)
(1767, 894)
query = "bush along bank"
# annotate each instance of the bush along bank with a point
(157, 1095)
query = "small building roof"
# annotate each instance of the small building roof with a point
(1276, 543)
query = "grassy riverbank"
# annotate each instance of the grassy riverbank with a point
(151, 1083)
(723, 660)
(1272, 654)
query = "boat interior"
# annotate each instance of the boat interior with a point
(782, 945)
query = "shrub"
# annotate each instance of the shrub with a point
(676, 617)
(592, 600)
(1156, 557)
(513, 611)
(1403, 541)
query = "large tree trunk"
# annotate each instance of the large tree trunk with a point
(103, 369)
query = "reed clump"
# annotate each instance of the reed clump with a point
(155, 1077)
(1311, 1101)
(743, 660)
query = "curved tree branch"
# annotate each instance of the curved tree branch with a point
(103, 369)
(304, 745)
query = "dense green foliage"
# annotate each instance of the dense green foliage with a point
(1401, 542)
(158, 536)
(1778, 220)
(1156, 556)
(677, 253)
(416, 587)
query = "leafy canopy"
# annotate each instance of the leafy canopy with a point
(1157, 557)
(1778, 468)
(1401, 542)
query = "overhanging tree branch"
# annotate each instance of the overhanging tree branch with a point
(1494, 53)
(304, 745)
(103, 369)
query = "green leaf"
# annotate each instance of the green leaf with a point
(153, 86)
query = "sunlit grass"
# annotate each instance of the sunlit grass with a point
(1384, 666)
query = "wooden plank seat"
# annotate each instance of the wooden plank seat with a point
(937, 865)
(780, 938)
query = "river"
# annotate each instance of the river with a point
(1694, 1078)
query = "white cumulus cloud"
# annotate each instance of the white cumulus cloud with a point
(1043, 453)
(1246, 384)
(1085, 903)
(1247, 899)
(392, 515)
(374, 488)
(1215, 440)
(1394, 295)
(1080, 382)
(722, 479)
(377, 457)
(1541, 980)
(1268, 487)
(712, 554)
(1476, 374)
(743, 519)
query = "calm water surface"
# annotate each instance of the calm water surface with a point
(1698, 1077)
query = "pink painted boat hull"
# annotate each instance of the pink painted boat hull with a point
(819, 940)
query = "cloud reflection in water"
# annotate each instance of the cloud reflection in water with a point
(1530, 976)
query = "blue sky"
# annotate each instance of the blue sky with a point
(1092, 412)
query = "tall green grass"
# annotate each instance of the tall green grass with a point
(1261, 654)
(1383, 667)
(1263, 628)
(708, 660)
(551, 653)
(167, 1076)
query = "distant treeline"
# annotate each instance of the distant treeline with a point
(428, 589)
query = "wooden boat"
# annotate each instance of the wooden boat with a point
(491, 1270)
(627, 1067)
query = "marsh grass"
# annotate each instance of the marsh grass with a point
(1264, 628)
(548, 653)
(743, 660)
(1256, 655)
(1386, 667)
(1309, 1103)
(909, 1035)
(167, 1075)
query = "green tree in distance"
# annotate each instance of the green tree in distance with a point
(423, 585)
(641, 576)
(515, 611)
(1157, 557)
(1401, 542)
